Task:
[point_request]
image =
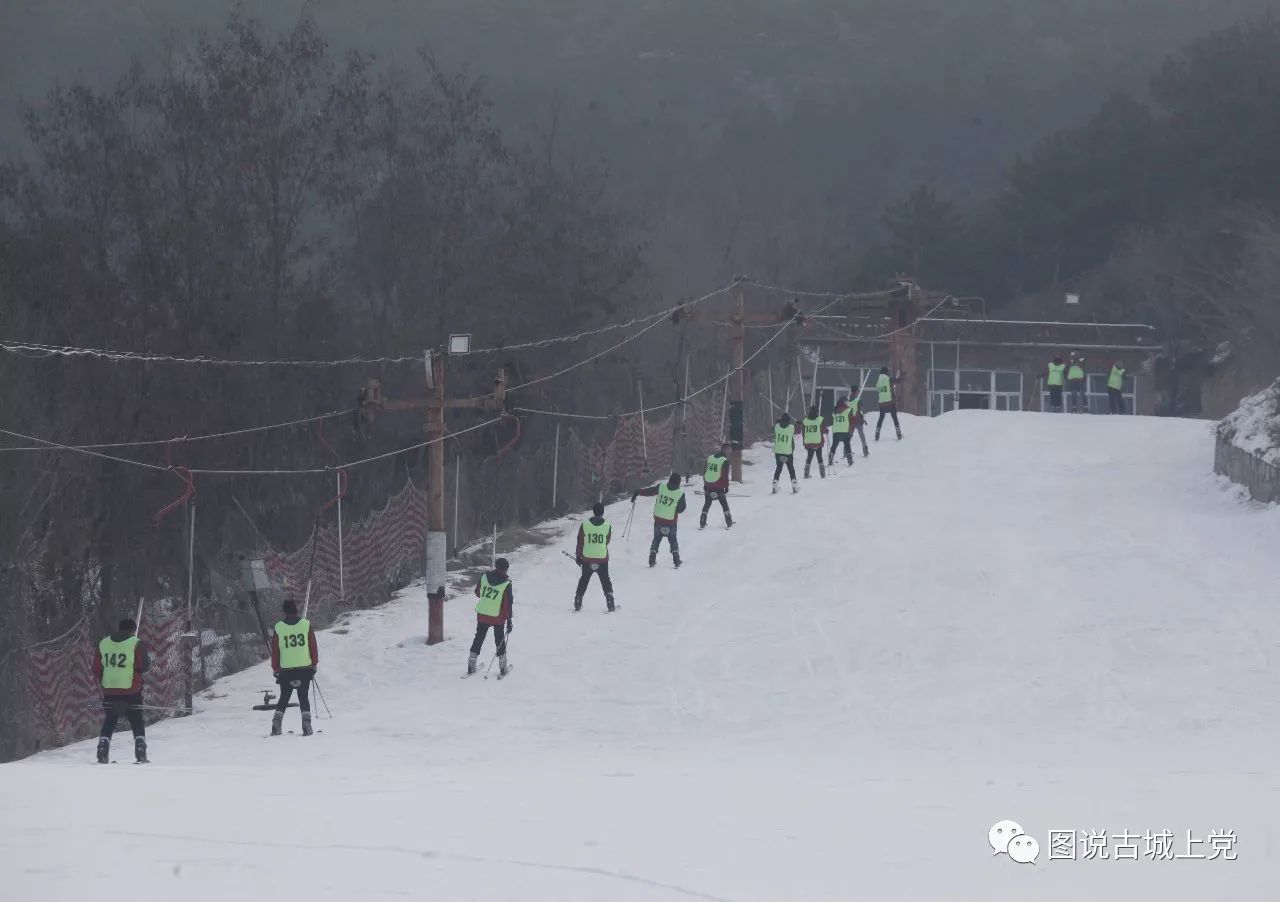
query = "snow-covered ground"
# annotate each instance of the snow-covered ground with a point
(1064, 621)
(1254, 426)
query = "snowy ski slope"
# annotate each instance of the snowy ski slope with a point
(1064, 621)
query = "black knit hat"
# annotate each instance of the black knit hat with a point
(501, 565)
(597, 509)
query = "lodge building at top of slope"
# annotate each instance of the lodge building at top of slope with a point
(953, 357)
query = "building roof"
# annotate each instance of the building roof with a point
(997, 332)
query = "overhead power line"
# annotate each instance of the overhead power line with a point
(184, 439)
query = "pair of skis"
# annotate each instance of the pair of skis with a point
(500, 676)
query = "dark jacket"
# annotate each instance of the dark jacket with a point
(652, 490)
(311, 644)
(598, 521)
(141, 664)
(508, 599)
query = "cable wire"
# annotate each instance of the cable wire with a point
(190, 438)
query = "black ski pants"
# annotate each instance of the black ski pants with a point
(667, 531)
(601, 569)
(710, 498)
(838, 439)
(1078, 402)
(291, 681)
(128, 705)
(1117, 400)
(808, 461)
(1055, 398)
(784, 460)
(499, 637)
(887, 410)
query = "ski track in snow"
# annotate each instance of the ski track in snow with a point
(1067, 621)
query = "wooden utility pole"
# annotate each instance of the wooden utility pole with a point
(737, 324)
(435, 405)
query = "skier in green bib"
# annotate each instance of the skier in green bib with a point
(784, 449)
(814, 431)
(1115, 387)
(1054, 382)
(666, 511)
(121, 662)
(888, 402)
(294, 659)
(1076, 384)
(715, 485)
(842, 431)
(593, 556)
(494, 611)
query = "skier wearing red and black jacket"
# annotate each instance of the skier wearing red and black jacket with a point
(494, 609)
(120, 661)
(715, 485)
(666, 510)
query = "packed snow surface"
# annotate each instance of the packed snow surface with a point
(1066, 621)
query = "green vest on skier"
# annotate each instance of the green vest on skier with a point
(812, 431)
(295, 644)
(490, 603)
(118, 662)
(784, 438)
(595, 540)
(884, 388)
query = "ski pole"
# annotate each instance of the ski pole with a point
(320, 693)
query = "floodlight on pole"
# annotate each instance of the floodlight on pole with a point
(460, 344)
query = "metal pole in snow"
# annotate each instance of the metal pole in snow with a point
(724, 410)
(644, 439)
(813, 398)
(495, 545)
(191, 570)
(457, 494)
(555, 468)
(799, 385)
(342, 585)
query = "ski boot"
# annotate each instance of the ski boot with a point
(277, 723)
(877, 435)
(866, 452)
(577, 602)
(306, 723)
(822, 471)
(702, 522)
(471, 663)
(653, 558)
(806, 471)
(140, 750)
(502, 666)
(775, 488)
(675, 559)
(795, 486)
(899, 433)
(608, 600)
(104, 749)
(728, 520)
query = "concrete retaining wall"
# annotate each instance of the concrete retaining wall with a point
(1259, 477)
